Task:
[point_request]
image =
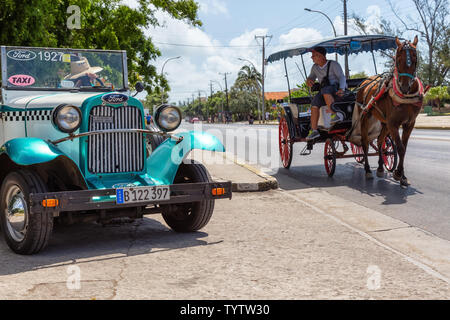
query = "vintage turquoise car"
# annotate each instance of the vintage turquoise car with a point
(75, 147)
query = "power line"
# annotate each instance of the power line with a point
(203, 46)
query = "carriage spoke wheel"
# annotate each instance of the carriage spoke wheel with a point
(285, 143)
(357, 150)
(330, 157)
(389, 154)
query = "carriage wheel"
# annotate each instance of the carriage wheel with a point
(285, 143)
(330, 157)
(389, 154)
(357, 150)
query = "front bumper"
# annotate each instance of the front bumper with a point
(85, 200)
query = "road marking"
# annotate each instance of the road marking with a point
(415, 262)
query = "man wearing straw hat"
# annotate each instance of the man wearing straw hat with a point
(82, 74)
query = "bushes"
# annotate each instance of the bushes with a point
(437, 96)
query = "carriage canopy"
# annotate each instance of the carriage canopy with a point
(340, 45)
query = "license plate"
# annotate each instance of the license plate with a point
(142, 194)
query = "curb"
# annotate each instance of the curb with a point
(269, 183)
(432, 127)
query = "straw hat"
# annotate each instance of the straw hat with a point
(80, 68)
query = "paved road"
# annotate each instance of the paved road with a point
(425, 204)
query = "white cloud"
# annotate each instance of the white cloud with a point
(214, 7)
(131, 3)
(206, 57)
(299, 35)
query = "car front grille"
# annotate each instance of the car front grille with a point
(115, 152)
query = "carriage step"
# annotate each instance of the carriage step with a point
(307, 149)
(305, 153)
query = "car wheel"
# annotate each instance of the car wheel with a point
(25, 232)
(188, 217)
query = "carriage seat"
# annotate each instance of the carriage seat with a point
(344, 105)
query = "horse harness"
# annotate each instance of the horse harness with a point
(389, 82)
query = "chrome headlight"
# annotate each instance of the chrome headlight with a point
(167, 117)
(66, 118)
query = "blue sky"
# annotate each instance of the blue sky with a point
(228, 33)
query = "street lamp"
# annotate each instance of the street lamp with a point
(260, 114)
(162, 74)
(332, 25)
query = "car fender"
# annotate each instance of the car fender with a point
(163, 163)
(28, 151)
(37, 152)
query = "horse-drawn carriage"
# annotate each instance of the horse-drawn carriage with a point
(342, 139)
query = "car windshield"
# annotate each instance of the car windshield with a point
(62, 69)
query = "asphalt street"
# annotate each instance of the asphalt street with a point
(425, 204)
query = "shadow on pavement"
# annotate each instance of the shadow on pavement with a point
(93, 242)
(351, 175)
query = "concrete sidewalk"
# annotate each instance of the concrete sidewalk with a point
(270, 245)
(418, 247)
(432, 122)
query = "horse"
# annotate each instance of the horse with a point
(395, 99)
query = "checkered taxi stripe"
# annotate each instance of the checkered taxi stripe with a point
(30, 115)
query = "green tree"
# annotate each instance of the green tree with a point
(432, 24)
(154, 99)
(301, 90)
(359, 75)
(245, 93)
(249, 79)
(105, 24)
(437, 95)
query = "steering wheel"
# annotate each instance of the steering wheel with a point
(99, 81)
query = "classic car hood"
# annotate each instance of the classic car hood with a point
(51, 100)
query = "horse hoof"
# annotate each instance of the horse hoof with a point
(369, 175)
(396, 176)
(380, 173)
(404, 182)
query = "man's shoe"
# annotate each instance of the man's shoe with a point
(313, 134)
(334, 119)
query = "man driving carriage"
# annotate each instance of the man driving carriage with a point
(332, 82)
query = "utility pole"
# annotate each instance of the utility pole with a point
(210, 97)
(199, 103)
(226, 91)
(221, 89)
(347, 73)
(263, 107)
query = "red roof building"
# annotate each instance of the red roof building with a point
(275, 95)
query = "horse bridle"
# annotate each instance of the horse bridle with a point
(408, 48)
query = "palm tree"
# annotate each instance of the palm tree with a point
(249, 79)
(246, 90)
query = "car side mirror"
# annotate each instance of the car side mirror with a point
(139, 86)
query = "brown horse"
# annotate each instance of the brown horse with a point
(395, 100)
